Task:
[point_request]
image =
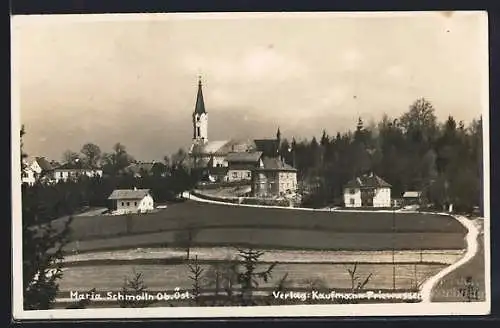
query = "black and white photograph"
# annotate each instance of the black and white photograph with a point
(199, 165)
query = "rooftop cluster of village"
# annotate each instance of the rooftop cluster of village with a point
(256, 164)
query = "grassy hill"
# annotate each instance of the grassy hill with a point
(220, 225)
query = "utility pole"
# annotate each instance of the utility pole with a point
(393, 250)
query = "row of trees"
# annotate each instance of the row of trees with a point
(234, 282)
(165, 180)
(43, 242)
(115, 162)
(412, 152)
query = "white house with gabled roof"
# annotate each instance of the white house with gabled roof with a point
(368, 190)
(135, 200)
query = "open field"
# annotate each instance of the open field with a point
(142, 255)
(270, 228)
(204, 215)
(168, 277)
(278, 239)
(449, 288)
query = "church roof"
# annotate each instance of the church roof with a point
(222, 147)
(200, 104)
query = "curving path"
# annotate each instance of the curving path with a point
(188, 195)
(472, 249)
(427, 286)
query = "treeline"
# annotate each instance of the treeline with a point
(412, 152)
(43, 202)
(164, 179)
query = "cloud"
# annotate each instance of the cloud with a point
(352, 59)
(256, 65)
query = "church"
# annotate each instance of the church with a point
(234, 159)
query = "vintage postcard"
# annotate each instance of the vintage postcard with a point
(250, 165)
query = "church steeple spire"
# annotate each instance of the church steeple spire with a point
(200, 104)
(200, 118)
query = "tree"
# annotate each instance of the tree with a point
(92, 154)
(115, 162)
(179, 158)
(70, 156)
(43, 245)
(325, 139)
(133, 290)
(184, 238)
(419, 122)
(196, 274)
(23, 154)
(249, 277)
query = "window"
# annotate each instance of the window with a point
(249, 174)
(128, 203)
(235, 174)
(352, 191)
(352, 201)
(198, 131)
(123, 204)
(135, 203)
(24, 175)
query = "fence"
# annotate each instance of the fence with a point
(244, 200)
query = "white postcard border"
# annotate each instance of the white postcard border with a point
(334, 310)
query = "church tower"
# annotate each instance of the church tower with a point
(200, 118)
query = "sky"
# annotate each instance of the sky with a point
(133, 78)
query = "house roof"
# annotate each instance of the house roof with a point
(44, 164)
(76, 166)
(275, 164)
(246, 157)
(129, 194)
(368, 181)
(139, 167)
(412, 194)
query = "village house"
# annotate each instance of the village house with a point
(75, 170)
(412, 198)
(274, 179)
(123, 201)
(368, 190)
(241, 165)
(38, 168)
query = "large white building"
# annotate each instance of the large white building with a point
(75, 170)
(367, 190)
